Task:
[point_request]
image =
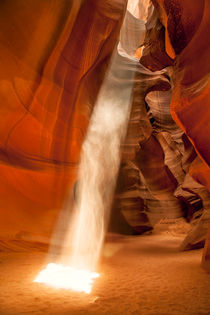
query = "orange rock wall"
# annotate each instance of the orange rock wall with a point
(188, 39)
(53, 58)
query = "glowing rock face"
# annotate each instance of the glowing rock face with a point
(66, 277)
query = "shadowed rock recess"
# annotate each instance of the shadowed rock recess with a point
(54, 57)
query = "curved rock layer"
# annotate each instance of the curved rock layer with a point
(186, 40)
(154, 181)
(51, 72)
(186, 43)
(53, 58)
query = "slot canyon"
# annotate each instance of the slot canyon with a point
(104, 156)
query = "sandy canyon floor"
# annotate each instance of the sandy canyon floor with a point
(138, 275)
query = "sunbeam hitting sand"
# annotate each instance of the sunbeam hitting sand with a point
(66, 277)
(99, 166)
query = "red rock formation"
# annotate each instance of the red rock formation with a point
(206, 254)
(51, 72)
(186, 40)
(53, 58)
(156, 182)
